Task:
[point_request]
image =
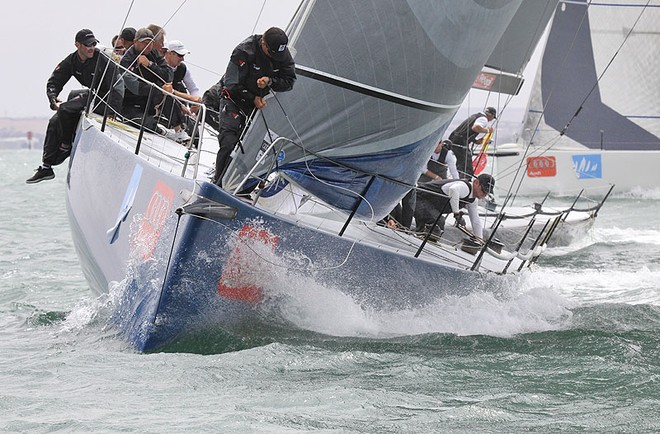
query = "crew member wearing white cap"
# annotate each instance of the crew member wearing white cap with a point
(182, 86)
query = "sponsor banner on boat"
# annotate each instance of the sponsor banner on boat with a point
(236, 281)
(153, 220)
(587, 166)
(538, 167)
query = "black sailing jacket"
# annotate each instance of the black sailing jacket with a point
(248, 63)
(72, 66)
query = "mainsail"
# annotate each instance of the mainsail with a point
(378, 83)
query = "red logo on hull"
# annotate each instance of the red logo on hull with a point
(154, 219)
(234, 281)
(538, 167)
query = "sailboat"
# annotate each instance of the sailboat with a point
(593, 119)
(318, 168)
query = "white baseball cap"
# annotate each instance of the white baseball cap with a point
(177, 47)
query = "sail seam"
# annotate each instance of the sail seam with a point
(372, 91)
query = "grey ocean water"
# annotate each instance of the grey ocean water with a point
(573, 346)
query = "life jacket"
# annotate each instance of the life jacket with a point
(438, 201)
(463, 134)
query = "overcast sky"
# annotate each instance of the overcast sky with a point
(37, 35)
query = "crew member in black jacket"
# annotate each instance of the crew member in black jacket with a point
(465, 134)
(80, 64)
(143, 60)
(258, 64)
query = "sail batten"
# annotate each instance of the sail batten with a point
(373, 91)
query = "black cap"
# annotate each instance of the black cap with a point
(486, 182)
(276, 41)
(491, 111)
(128, 34)
(86, 37)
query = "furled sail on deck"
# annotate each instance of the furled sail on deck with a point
(378, 83)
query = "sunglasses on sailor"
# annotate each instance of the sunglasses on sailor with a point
(92, 45)
(181, 56)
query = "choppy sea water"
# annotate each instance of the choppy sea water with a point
(572, 346)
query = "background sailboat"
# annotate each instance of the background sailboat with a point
(593, 116)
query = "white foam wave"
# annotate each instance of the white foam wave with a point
(94, 310)
(610, 236)
(615, 235)
(599, 286)
(327, 310)
(640, 193)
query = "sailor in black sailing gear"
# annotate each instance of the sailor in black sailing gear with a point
(143, 59)
(258, 64)
(212, 99)
(465, 134)
(81, 64)
(442, 161)
(454, 195)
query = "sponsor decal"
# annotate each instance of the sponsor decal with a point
(484, 81)
(154, 217)
(126, 205)
(538, 167)
(587, 166)
(235, 282)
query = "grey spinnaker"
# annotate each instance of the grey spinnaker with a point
(378, 83)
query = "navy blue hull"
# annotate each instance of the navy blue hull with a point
(176, 272)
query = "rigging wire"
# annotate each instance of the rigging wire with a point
(258, 17)
(519, 170)
(128, 12)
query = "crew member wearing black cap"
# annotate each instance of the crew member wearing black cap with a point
(432, 199)
(257, 65)
(465, 134)
(124, 41)
(80, 64)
